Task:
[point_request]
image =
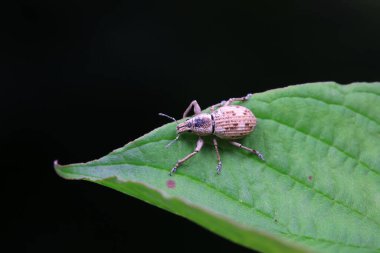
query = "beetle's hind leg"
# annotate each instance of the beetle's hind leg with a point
(236, 144)
(219, 166)
(198, 147)
(229, 101)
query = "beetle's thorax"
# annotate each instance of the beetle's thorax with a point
(201, 124)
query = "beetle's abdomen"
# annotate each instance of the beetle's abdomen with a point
(233, 122)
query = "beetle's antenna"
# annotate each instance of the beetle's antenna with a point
(172, 118)
(167, 116)
(170, 143)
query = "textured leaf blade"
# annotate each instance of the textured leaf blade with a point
(318, 188)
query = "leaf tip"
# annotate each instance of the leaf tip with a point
(58, 170)
(57, 166)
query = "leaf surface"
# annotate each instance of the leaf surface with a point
(317, 191)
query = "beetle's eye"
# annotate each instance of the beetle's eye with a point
(189, 124)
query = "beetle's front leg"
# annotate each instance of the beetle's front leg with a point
(197, 108)
(198, 147)
(237, 144)
(219, 166)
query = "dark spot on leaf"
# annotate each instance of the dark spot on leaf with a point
(310, 178)
(170, 184)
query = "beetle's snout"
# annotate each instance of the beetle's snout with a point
(183, 127)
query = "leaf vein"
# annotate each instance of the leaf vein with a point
(326, 143)
(328, 103)
(316, 190)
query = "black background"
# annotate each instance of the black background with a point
(81, 78)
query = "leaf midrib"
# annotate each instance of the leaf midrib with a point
(295, 179)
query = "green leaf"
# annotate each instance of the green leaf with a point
(318, 189)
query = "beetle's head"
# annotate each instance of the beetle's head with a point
(186, 126)
(200, 124)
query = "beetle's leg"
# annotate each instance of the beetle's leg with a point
(219, 166)
(197, 108)
(229, 101)
(212, 109)
(236, 144)
(198, 147)
(237, 99)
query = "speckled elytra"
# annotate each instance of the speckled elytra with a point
(229, 122)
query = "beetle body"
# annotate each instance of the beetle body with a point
(228, 122)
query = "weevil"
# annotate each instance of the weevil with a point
(228, 122)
